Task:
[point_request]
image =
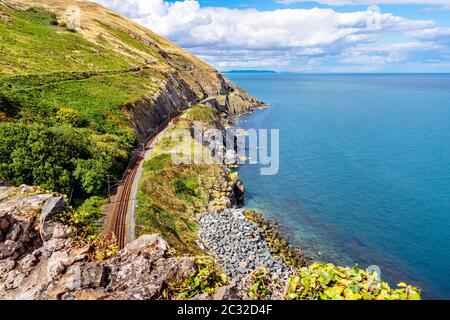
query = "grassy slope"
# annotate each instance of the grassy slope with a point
(44, 68)
(172, 197)
(91, 74)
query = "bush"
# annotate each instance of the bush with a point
(207, 278)
(40, 16)
(71, 117)
(329, 282)
(260, 282)
(202, 113)
(93, 206)
(62, 159)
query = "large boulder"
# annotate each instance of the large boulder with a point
(52, 207)
(151, 244)
(81, 275)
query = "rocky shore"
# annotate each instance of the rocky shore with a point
(239, 246)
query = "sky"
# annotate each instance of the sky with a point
(324, 36)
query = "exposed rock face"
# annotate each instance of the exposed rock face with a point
(52, 206)
(55, 267)
(227, 191)
(18, 228)
(180, 91)
(139, 272)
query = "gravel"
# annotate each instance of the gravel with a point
(238, 245)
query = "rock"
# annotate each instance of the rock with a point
(80, 275)
(57, 264)
(227, 293)
(5, 222)
(52, 206)
(202, 297)
(149, 245)
(180, 270)
(90, 294)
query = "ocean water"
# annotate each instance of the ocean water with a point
(364, 170)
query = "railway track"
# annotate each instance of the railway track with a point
(116, 223)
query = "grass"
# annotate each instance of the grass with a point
(202, 113)
(54, 78)
(30, 45)
(45, 69)
(170, 201)
(173, 197)
(51, 78)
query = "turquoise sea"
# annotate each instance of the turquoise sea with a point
(364, 170)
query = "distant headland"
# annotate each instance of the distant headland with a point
(250, 71)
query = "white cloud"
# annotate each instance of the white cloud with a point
(192, 26)
(384, 54)
(283, 38)
(369, 2)
(435, 34)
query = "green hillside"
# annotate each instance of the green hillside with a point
(66, 96)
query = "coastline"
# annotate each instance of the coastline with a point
(242, 241)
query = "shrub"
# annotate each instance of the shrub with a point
(40, 16)
(259, 284)
(71, 117)
(207, 278)
(329, 282)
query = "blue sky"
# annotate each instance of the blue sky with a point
(294, 35)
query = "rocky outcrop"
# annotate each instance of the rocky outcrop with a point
(18, 226)
(179, 92)
(52, 207)
(226, 192)
(57, 266)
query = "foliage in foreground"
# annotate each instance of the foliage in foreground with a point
(259, 283)
(87, 229)
(68, 160)
(330, 282)
(206, 279)
(85, 220)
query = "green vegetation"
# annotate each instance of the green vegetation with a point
(157, 163)
(62, 122)
(172, 197)
(86, 219)
(71, 117)
(329, 282)
(207, 278)
(39, 16)
(170, 200)
(186, 187)
(202, 113)
(60, 158)
(260, 282)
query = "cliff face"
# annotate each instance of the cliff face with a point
(56, 265)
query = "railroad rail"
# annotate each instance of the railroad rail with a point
(116, 222)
